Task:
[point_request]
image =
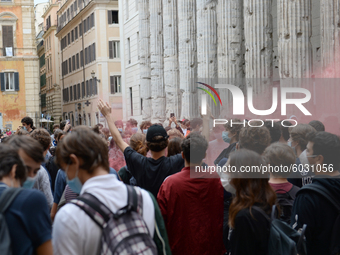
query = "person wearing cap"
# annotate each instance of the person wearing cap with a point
(148, 172)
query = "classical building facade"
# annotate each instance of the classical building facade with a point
(170, 45)
(19, 64)
(52, 90)
(39, 10)
(88, 33)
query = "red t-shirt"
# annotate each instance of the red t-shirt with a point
(193, 213)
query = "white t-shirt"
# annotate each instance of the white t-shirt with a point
(74, 232)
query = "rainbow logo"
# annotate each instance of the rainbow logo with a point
(209, 93)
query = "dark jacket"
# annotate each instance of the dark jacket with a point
(312, 209)
(225, 153)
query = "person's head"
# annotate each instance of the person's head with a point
(249, 190)
(185, 124)
(298, 137)
(56, 133)
(62, 124)
(60, 136)
(175, 146)
(119, 124)
(323, 148)
(12, 169)
(194, 148)
(22, 132)
(217, 132)
(277, 155)
(127, 134)
(27, 122)
(55, 127)
(196, 124)
(81, 153)
(317, 125)
(137, 143)
(106, 133)
(30, 151)
(232, 131)
(144, 126)
(43, 137)
(284, 130)
(132, 123)
(100, 126)
(157, 138)
(274, 130)
(173, 132)
(254, 138)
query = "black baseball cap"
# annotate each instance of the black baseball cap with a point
(156, 130)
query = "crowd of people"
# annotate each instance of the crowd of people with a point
(129, 189)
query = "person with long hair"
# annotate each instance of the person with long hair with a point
(137, 143)
(250, 228)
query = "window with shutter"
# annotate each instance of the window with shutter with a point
(92, 18)
(88, 23)
(95, 92)
(7, 39)
(91, 89)
(68, 39)
(85, 56)
(93, 52)
(72, 36)
(71, 94)
(75, 92)
(69, 65)
(109, 16)
(87, 88)
(73, 63)
(83, 89)
(112, 84)
(77, 57)
(81, 58)
(78, 90)
(89, 52)
(84, 22)
(80, 29)
(76, 33)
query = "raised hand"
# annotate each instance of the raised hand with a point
(104, 107)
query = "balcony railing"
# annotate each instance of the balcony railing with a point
(40, 45)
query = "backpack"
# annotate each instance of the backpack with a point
(286, 201)
(283, 239)
(125, 231)
(335, 236)
(6, 199)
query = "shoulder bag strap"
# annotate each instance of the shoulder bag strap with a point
(7, 197)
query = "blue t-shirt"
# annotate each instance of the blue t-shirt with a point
(59, 186)
(28, 221)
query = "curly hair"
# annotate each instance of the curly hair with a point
(234, 129)
(42, 136)
(132, 122)
(27, 121)
(145, 124)
(22, 132)
(137, 143)
(254, 138)
(175, 133)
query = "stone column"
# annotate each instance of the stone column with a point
(330, 38)
(171, 70)
(230, 45)
(258, 29)
(157, 61)
(294, 32)
(187, 50)
(207, 45)
(144, 61)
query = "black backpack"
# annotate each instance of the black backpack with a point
(124, 232)
(6, 199)
(286, 201)
(334, 248)
(283, 239)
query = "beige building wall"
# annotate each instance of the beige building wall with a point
(24, 101)
(39, 10)
(82, 109)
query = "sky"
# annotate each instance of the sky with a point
(40, 1)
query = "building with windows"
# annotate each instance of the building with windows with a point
(42, 75)
(39, 10)
(129, 27)
(88, 33)
(51, 92)
(19, 64)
